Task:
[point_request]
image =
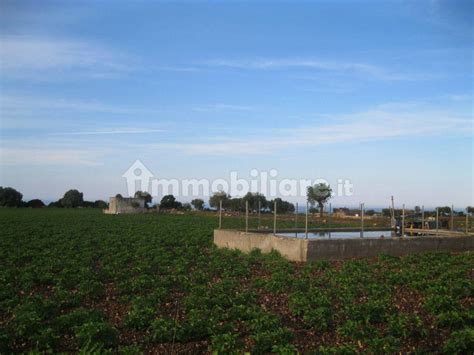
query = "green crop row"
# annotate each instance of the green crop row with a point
(81, 281)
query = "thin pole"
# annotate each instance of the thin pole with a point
(259, 209)
(296, 220)
(306, 222)
(362, 220)
(220, 214)
(403, 220)
(247, 216)
(422, 217)
(437, 219)
(330, 213)
(393, 214)
(274, 217)
(452, 217)
(467, 220)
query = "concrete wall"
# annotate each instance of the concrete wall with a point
(334, 249)
(119, 205)
(291, 248)
(330, 249)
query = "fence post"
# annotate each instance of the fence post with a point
(259, 209)
(296, 220)
(422, 217)
(467, 220)
(330, 215)
(403, 220)
(452, 217)
(220, 214)
(437, 219)
(362, 220)
(306, 222)
(246, 216)
(274, 217)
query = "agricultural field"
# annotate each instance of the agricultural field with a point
(77, 280)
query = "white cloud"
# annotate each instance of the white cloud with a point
(382, 122)
(122, 131)
(27, 55)
(38, 156)
(222, 108)
(331, 66)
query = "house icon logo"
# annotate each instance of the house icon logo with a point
(138, 178)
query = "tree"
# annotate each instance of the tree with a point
(198, 204)
(282, 206)
(253, 200)
(320, 194)
(445, 210)
(72, 199)
(417, 210)
(235, 204)
(9, 197)
(215, 199)
(186, 206)
(470, 209)
(100, 204)
(35, 203)
(169, 202)
(55, 204)
(144, 195)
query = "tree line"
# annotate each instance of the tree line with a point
(9, 197)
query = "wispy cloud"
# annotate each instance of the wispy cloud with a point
(28, 55)
(369, 70)
(222, 108)
(383, 122)
(36, 156)
(122, 131)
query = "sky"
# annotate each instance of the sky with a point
(376, 92)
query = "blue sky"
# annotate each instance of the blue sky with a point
(378, 92)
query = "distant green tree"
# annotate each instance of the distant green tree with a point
(9, 197)
(198, 204)
(470, 209)
(370, 212)
(217, 197)
(72, 198)
(186, 206)
(100, 204)
(253, 200)
(169, 202)
(319, 194)
(444, 210)
(417, 209)
(282, 206)
(55, 204)
(35, 203)
(236, 204)
(144, 195)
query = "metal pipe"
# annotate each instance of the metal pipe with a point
(259, 209)
(452, 217)
(467, 220)
(422, 217)
(274, 216)
(296, 215)
(330, 214)
(220, 214)
(437, 219)
(403, 220)
(306, 222)
(246, 216)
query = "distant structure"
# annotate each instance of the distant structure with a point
(119, 205)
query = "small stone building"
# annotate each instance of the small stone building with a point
(118, 205)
